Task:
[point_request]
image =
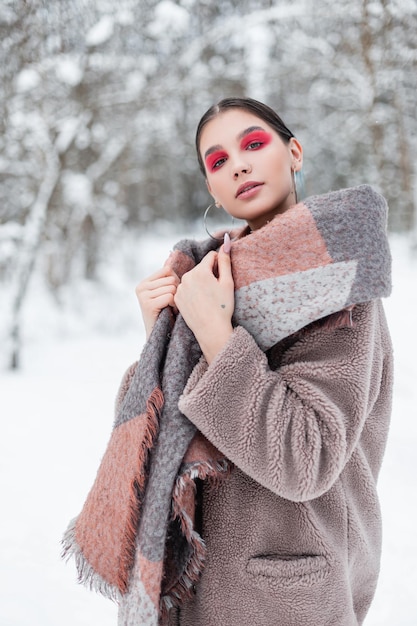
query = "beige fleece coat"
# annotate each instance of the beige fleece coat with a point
(294, 534)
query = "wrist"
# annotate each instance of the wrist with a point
(149, 323)
(213, 341)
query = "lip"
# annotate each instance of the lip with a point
(248, 188)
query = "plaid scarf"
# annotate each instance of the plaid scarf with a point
(134, 539)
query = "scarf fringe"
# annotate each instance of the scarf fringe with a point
(185, 585)
(154, 406)
(131, 530)
(86, 574)
(214, 472)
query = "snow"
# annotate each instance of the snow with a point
(125, 17)
(7, 15)
(259, 42)
(100, 32)
(57, 418)
(135, 83)
(77, 189)
(27, 79)
(68, 70)
(10, 234)
(169, 18)
(67, 130)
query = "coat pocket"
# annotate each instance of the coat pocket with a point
(287, 571)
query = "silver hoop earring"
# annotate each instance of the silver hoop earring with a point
(206, 212)
(299, 185)
(294, 186)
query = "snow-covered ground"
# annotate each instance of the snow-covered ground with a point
(57, 417)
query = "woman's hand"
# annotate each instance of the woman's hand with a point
(155, 293)
(205, 299)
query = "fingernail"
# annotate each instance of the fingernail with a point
(227, 244)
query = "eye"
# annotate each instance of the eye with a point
(218, 163)
(256, 140)
(254, 145)
(216, 160)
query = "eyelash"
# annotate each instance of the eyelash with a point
(260, 139)
(257, 139)
(214, 164)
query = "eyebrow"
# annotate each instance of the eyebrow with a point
(240, 136)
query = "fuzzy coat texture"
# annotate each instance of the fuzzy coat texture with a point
(295, 422)
(293, 536)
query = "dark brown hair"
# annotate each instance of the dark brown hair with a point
(259, 109)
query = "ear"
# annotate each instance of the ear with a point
(296, 151)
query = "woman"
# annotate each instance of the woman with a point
(293, 417)
(248, 149)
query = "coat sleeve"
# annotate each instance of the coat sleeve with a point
(294, 429)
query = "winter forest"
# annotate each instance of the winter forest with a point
(99, 103)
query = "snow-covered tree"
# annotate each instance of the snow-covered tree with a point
(100, 101)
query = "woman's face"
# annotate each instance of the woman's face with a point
(248, 166)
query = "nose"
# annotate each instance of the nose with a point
(241, 168)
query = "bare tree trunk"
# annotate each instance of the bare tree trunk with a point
(407, 219)
(30, 245)
(414, 228)
(406, 169)
(376, 129)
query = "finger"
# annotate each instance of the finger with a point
(161, 291)
(227, 243)
(158, 283)
(210, 260)
(162, 301)
(224, 264)
(149, 285)
(163, 272)
(207, 267)
(209, 263)
(150, 299)
(152, 308)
